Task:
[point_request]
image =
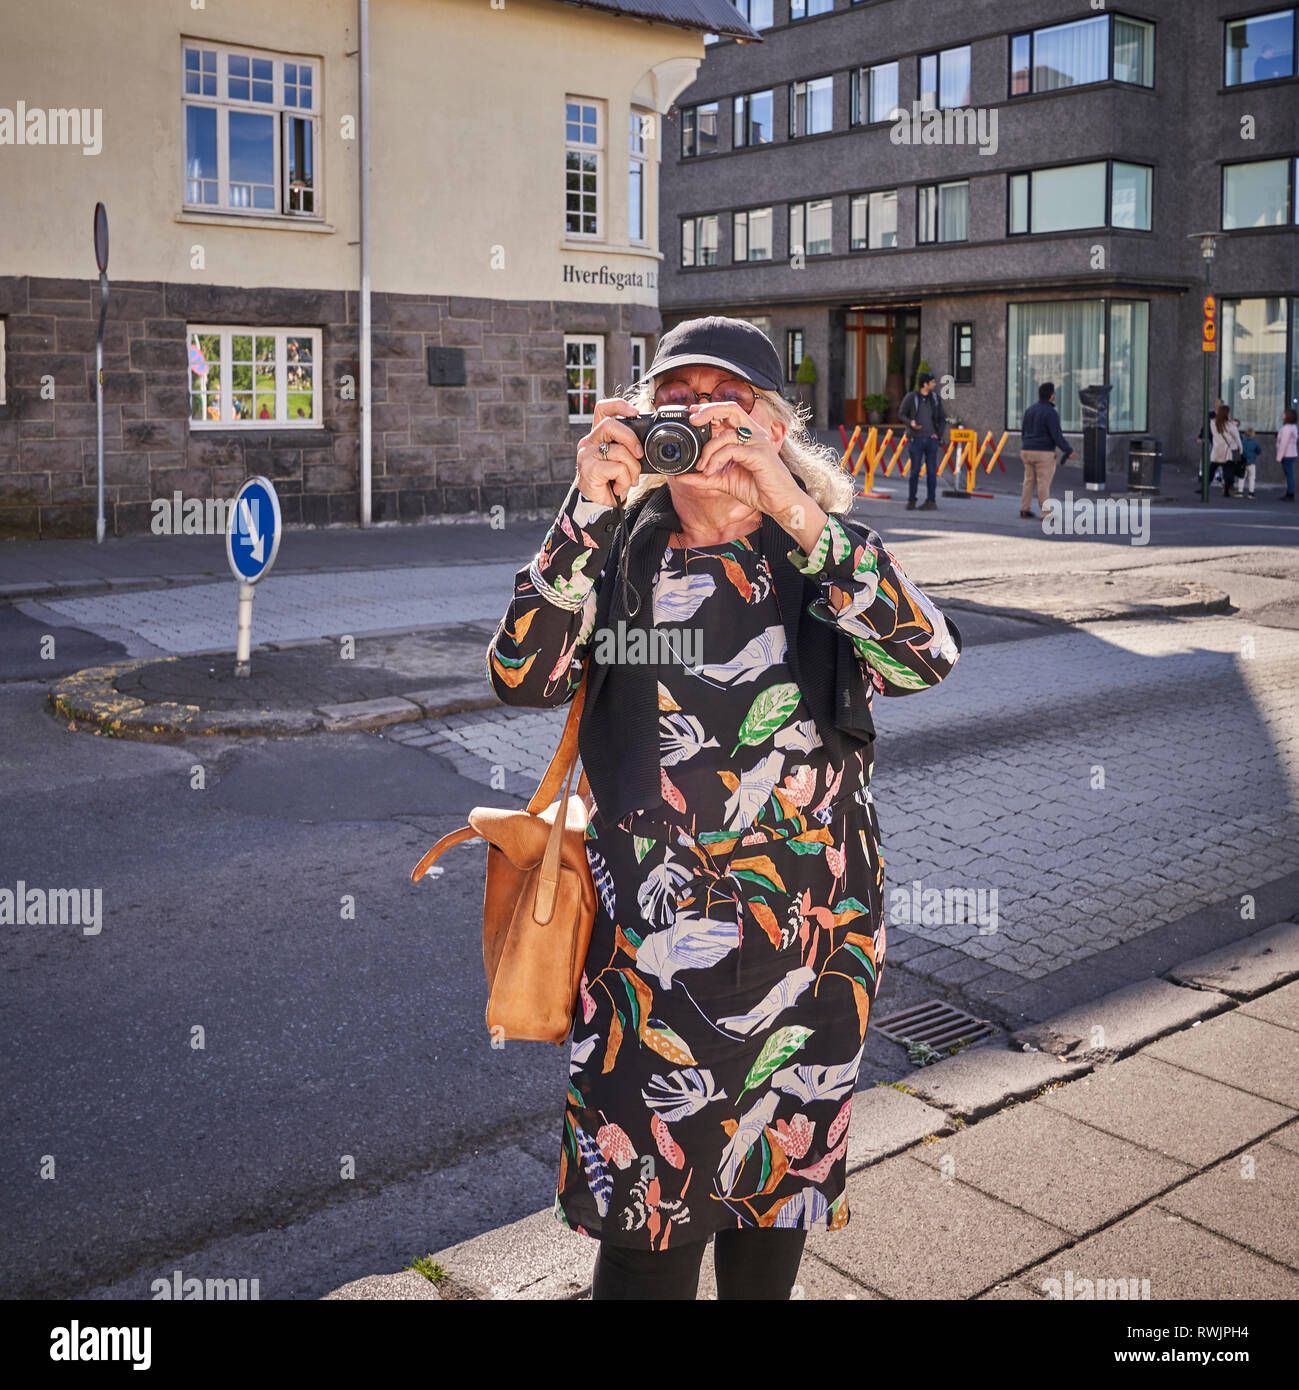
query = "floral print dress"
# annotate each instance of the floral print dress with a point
(739, 935)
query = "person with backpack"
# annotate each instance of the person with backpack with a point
(922, 413)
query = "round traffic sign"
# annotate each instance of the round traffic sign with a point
(101, 236)
(253, 530)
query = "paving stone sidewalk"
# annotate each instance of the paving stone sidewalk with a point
(1158, 1161)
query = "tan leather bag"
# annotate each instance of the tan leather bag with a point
(539, 900)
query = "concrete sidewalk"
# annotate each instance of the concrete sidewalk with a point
(402, 675)
(1145, 1146)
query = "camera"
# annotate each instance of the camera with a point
(671, 443)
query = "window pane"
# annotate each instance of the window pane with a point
(953, 211)
(1253, 345)
(688, 241)
(761, 127)
(1130, 196)
(1260, 47)
(301, 179)
(1134, 51)
(926, 220)
(299, 379)
(1256, 195)
(1060, 341)
(955, 82)
(820, 113)
(708, 241)
(884, 92)
(237, 83)
(1021, 48)
(252, 160)
(200, 155)
(706, 128)
(1129, 327)
(205, 376)
(883, 222)
(760, 234)
(1070, 197)
(1019, 202)
(796, 242)
(740, 237)
(857, 225)
(928, 81)
(818, 227)
(1066, 55)
(635, 200)
(264, 377)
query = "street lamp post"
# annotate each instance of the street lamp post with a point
(1208, 345)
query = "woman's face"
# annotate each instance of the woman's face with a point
(703, 379)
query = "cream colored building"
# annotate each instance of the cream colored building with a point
(508, 238)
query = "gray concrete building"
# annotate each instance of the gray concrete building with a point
(1007, 193)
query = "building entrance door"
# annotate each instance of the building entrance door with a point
(881, 355)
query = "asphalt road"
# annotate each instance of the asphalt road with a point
(325, 1034)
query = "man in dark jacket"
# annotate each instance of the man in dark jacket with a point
(922, 413)
(1040, 436)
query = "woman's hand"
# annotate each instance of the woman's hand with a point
(751, 471)
(607, 477)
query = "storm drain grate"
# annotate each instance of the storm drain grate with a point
(937, 1023)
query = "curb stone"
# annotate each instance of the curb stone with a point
(90, 697)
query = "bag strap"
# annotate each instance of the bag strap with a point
(466, 832)
(565, 755)
(561, 766)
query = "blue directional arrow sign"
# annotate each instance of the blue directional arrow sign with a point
(253, 530)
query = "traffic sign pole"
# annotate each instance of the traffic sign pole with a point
(243, 642)
(1208, 343)
(101, 259)
(252, 543)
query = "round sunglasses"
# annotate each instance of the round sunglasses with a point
(730, 389)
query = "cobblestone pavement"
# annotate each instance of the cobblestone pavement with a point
(201, 617)
(1103, 782)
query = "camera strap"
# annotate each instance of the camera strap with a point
(624, 535)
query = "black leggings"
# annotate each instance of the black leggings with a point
(749, 1261)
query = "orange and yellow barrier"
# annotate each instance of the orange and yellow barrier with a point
(863, 456)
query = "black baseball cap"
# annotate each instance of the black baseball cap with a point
(736, 344)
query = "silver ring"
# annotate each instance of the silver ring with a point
(604, 449)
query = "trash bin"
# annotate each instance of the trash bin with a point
(1145, 459)
(1096, 420)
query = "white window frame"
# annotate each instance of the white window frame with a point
(586, 147)
(639, 346)
(281, 335)
(223, 104)
(640, 125)
(579, 340)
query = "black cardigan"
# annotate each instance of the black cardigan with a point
(618, 732)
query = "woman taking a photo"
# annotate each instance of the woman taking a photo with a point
(739, 936)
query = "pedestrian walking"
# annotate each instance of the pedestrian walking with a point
(1250, 448)
(739, 937)
(923, 415)
(1224, 447)
(1287, 449)
(1039, 438)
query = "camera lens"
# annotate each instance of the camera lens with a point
(671, 448)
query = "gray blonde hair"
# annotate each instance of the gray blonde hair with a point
(816, 465)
